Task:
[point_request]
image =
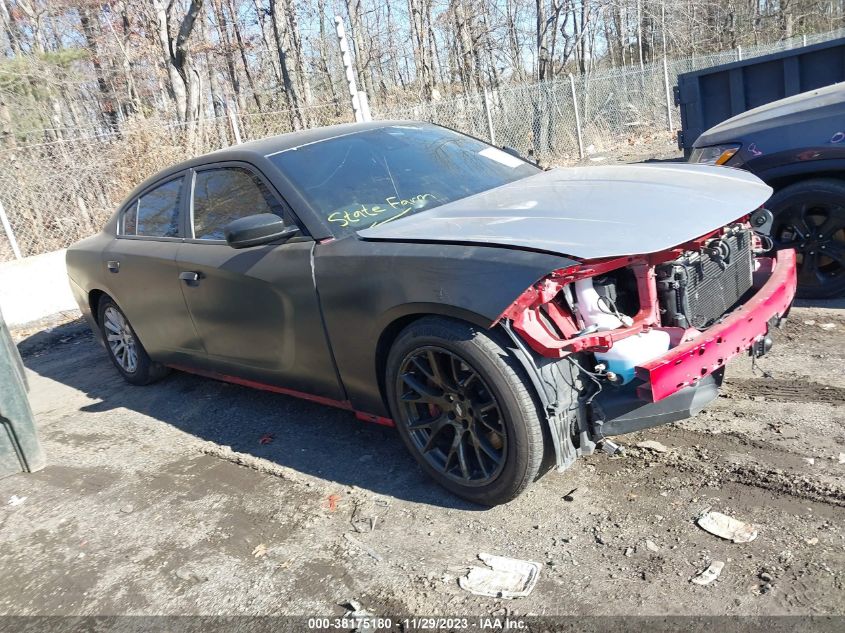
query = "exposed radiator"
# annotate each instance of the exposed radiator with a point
(699, 287)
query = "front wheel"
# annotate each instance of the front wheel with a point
(463, 408)
(810, 217)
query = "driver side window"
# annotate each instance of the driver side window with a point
(226, 194)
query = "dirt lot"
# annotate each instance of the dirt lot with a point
(166, 500)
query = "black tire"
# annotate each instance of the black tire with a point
(144, 370)
(810, 217)
(511, 430)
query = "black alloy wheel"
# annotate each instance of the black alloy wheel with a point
(453, 418)
(810, 217)
(465, 409)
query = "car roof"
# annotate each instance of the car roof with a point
(261, 148)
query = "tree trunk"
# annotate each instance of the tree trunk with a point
(283, 49)
(90, 27)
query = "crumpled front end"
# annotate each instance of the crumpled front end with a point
(651, 334)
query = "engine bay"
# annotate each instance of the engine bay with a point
(619, 314)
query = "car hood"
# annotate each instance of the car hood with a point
(590, 212)
(800, 108)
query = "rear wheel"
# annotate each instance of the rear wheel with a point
(463, 408)
(810, 217)
(124, 348)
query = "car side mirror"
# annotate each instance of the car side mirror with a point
(258, 229)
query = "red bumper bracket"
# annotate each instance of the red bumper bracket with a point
(691, 361)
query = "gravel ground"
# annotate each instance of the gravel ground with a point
(197, 497)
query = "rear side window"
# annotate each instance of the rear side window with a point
(226, 194)
(156, 213)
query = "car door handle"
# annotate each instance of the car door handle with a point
(190, 277)
(113, 266)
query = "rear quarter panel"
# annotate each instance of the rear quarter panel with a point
(86, 272)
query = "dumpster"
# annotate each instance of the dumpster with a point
(712, 95)
(20, 450)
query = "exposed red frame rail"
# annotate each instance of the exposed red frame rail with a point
(689, 362)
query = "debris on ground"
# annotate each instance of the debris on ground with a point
(651, 546)
(629, 551)
(653, 445)
(364, 548)
(355, 610)
(331, 502)
(366, 620)
(259, 551)
(15, 500)
(710, 574)
(726, 527)
(184, 573)
(502, 578)
(842, 458)
(366, 514)
(809, 460)
(812, 541)
(569, 495)
(809, 322)
(827, 326)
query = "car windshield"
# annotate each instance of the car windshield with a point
(363, 179)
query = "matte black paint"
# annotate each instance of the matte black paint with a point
(282, 314)
(366, 286)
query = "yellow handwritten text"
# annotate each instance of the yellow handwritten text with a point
(393, 204)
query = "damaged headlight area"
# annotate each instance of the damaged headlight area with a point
(643, 340)
(713, 155)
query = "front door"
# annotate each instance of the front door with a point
(256, 310)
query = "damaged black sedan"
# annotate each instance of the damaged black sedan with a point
(505, 319)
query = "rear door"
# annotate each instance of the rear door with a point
(142, 274)
(256, 309)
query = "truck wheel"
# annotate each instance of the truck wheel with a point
(124, 347)
(810, 217)
(464, 409)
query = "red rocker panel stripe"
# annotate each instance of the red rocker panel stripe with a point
(339, 404)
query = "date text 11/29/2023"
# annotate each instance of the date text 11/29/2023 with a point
(417, 623)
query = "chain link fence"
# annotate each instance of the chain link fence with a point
(561, 120)
(54, 193)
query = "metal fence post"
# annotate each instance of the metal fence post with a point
(739, 53)
(7, 228)
(577, 117)
(347, 68)
(668, 96)
(233, 123)
(490, 131)
(364, 105)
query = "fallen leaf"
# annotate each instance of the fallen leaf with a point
(260, 550)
